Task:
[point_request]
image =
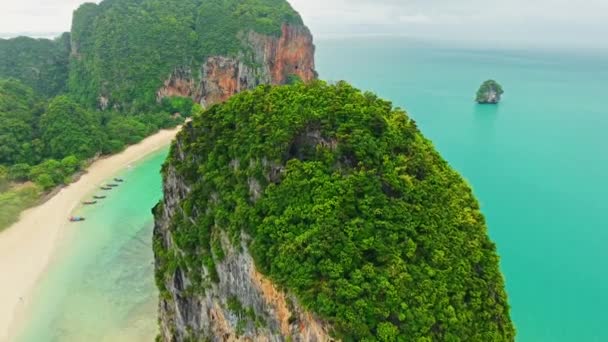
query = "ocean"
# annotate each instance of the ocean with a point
(101, 285)
(538, 163)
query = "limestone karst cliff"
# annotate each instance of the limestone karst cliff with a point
(317, 212)
(127, 54)
(242, 304)
(275, 59)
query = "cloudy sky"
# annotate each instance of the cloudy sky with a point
(551, 22)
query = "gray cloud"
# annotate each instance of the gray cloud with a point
(532, 22)
(513, 22)
(37, 15)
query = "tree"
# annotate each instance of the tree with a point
(4, 178)
(293, 79)
(68, 129)
(45, 181)
(127, 130)
(19, 172)
(70, 165)
(51, 168)
(19, 110)
(181, 105)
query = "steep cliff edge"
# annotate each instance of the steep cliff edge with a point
(274, 60)
(130, 54)
(226, 298)
(316, 212)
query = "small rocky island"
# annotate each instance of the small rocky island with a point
(490, 92)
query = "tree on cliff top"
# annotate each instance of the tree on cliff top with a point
(356, 214)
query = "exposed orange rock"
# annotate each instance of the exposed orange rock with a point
(180, 83)
(275, 59)
(294, 55)
(221, 79)
(307, 327)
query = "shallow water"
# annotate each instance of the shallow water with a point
(101, 286)
(538, 162)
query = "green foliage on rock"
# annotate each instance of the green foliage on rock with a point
(56, 135)
(20, 109)
(178, 105)
(125, 49)
(347, 206)
(489, 92)
(42, 64)
(68, 129)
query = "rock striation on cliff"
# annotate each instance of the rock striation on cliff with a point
(274, 60)
(229, 300)
(129, 54)
(316, 212)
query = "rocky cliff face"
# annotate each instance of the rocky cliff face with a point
(271, 60)
(240, 305)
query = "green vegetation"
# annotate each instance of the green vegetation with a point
(41, 64)
(47, 141)
(125, 49)
(68, 129)
(489, 92)
(348, 207)
(51, 90)
(20, 110)
(179, 105)
(245, 315)
(33, 129)
(14, 201)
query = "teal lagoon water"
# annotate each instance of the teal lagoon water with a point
(101, 286)
(538, 162)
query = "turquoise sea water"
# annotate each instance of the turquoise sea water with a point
(101, 287)
(538, 162)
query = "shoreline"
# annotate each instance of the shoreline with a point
(28, 246)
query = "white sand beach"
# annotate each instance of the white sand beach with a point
(28, 246)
